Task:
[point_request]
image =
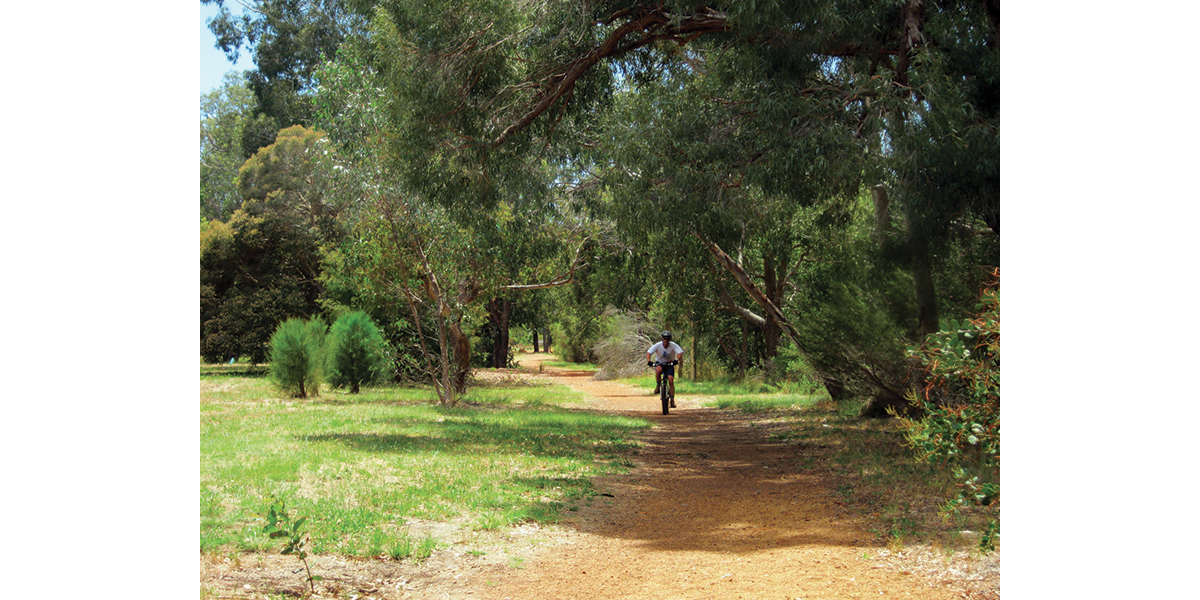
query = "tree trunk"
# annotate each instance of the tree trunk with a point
(771, 330)
(773, 314)
(461, 344)
(921, 264)
(499, 311)
(535, 341)
(695, 363)
(881, 212)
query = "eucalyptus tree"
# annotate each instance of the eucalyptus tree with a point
(225, 113)
(451, 263)
(289, 40)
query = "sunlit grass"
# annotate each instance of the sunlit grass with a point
(359, 465)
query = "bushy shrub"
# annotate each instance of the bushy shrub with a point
(357, 352)
(961, 402)
(621, 349)
(298, 356)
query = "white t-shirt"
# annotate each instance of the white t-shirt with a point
(670, 352)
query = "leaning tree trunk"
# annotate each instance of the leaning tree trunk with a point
(769, 307)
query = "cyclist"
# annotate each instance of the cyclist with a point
(667, 351)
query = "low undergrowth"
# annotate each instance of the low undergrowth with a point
(361, 467)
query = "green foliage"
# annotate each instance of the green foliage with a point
(288, 39)
(357, 353)
(298, 356)
(255, 272)
(224, 114)
(467, 159)
(280, 525)
(961, 401)
(289, 178)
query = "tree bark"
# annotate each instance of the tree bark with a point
(921, 265)
(772, 311)
(461, 345)
(499, 312)
(880, 196)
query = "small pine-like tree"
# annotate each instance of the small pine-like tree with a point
(358, 354)
(298, 356)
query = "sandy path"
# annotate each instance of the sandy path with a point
(713, 510)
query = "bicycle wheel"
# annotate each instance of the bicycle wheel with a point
(665, 395)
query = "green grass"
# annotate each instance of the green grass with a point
(570, 366)
(764, 403)
(359, 465)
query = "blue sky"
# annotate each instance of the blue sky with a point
(213, 64)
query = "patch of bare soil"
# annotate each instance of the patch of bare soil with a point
(712, 510)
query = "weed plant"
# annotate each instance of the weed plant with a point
(359, 466)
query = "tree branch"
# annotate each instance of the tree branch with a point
(651, 21)
(563, 279)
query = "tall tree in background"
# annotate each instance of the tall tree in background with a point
(288, 39)
(291, 177)
(225, 113)
(450, 264)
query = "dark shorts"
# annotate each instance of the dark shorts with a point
(668, 370)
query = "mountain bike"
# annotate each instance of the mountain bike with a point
(664, 388)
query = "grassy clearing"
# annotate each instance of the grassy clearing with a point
(877, 475)
(360, 467)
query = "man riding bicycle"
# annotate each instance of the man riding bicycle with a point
(669, 353)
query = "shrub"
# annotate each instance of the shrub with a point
(961, 402)
(357, 352)
(297, 356)
(621, 350)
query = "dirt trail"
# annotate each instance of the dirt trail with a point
(713, 510)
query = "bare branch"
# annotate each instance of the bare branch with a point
(563, 279)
